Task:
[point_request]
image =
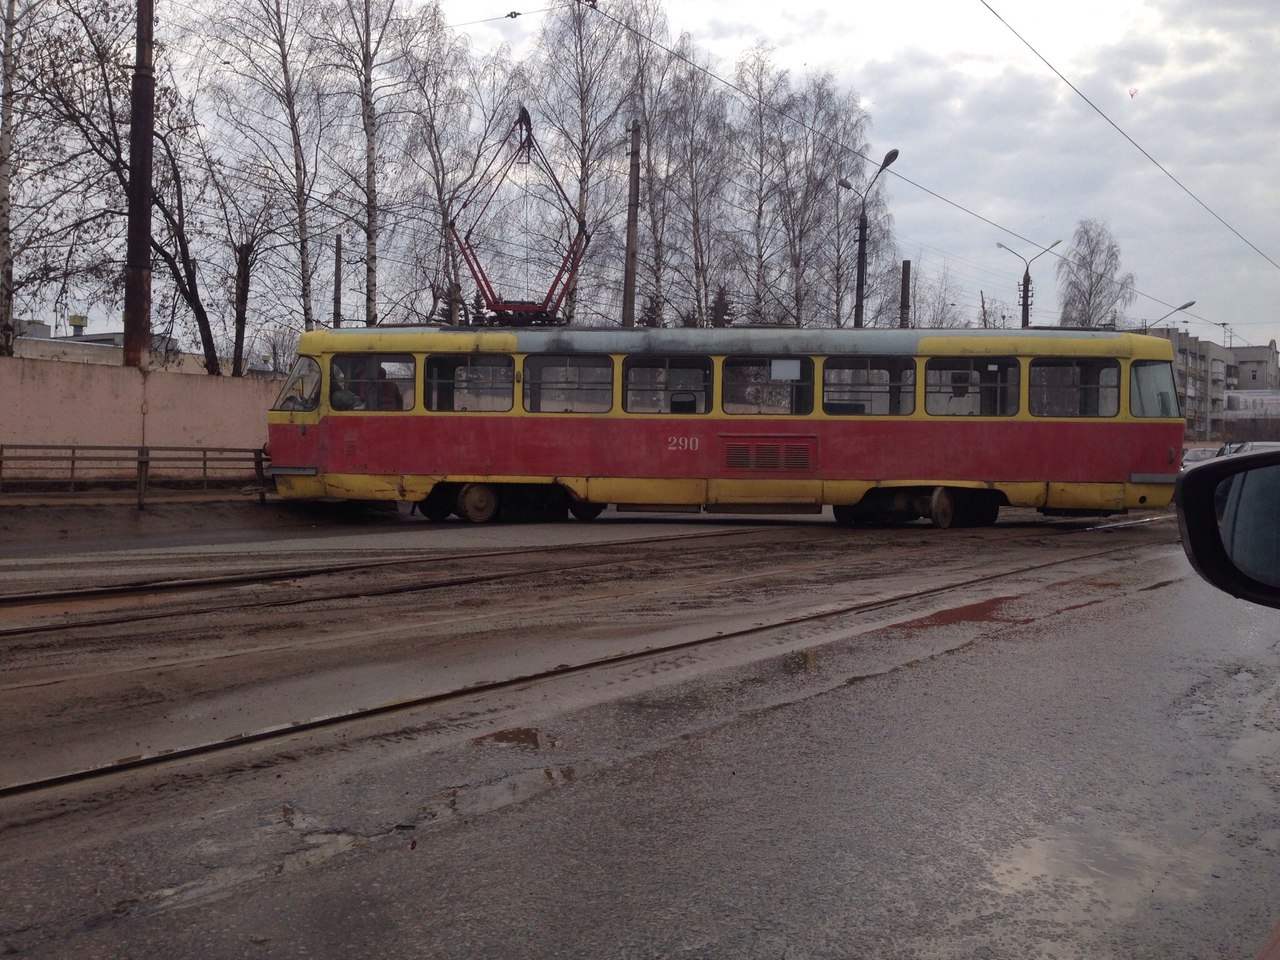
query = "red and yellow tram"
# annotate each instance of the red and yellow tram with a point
(879, 424)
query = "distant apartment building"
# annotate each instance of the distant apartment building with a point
(36, 341)
(1223, 389)
(1258, 367)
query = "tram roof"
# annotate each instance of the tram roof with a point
(749, 340)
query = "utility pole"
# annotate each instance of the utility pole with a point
(1024, 288)
(137, 271)
(904, 301)
(633, 218)
(337, 281)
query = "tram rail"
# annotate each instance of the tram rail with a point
(168, 587)
(284, 731)
(405, 564)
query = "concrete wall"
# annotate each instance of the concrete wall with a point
(62, 402)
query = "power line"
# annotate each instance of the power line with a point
(1183, 187)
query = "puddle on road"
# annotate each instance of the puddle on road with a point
(984, 611)
(526, 737)
(1077, 872)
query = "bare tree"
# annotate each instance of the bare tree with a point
(56, 215)
(364, 42)
(701, 183)
(88, 103)
(655, 108)
(758, 140)
(934, 300)
(269, 93)
(12, 101)
(1094, 292)
(583, 81)
(994, 313)
(461, 109)
(810, 159)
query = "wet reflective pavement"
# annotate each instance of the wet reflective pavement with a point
(1090, 771)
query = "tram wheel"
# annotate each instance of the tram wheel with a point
(477, 503)
(844, 513)
(582, 510)
(942, 508)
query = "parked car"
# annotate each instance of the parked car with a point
(1196, 454)
(1248, 446)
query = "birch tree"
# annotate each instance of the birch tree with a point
(758, 158)
(1094, 292)
(655, 109)
(582, 82)
(269, 95)
(363, 42)
(699, 129)
(460, 110)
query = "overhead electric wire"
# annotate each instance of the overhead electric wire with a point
(823, 135)
(1183, 187)
(506, 16)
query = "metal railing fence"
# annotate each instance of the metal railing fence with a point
(78, 465)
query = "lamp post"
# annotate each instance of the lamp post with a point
(1186, 306)
(889, 157)
(1026, 277)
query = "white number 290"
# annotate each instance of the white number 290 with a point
(682, 444)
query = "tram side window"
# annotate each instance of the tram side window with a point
(1074, 387)
(1151, 389)
(768, 385)
(568, 383)
(469, 381)
(371, 381)
(971, 386)
(302, 389)
(870, 386)
(666, 384)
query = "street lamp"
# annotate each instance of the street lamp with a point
(1186, 306)
(1026, 278)
(889, 157)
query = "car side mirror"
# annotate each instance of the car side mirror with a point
(1229, 519)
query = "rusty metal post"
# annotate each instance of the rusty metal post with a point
(904, 298)
(137, 271)
(261, 474)
(144, 468)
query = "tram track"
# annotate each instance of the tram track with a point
(283, 731)
(404, 565)
(169, 587)
(636, 589)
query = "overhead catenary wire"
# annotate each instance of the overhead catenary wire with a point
(1159, 166)
(896, 174)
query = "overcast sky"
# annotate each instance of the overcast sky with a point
(985, 124)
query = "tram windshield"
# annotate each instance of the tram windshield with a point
(302, 389)
(1152, 392)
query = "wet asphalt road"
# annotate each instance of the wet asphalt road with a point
(1095, 775)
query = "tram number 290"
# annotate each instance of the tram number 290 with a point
(682, 444)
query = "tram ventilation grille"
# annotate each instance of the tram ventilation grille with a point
(768, 456)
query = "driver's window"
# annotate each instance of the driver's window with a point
(302, 389)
